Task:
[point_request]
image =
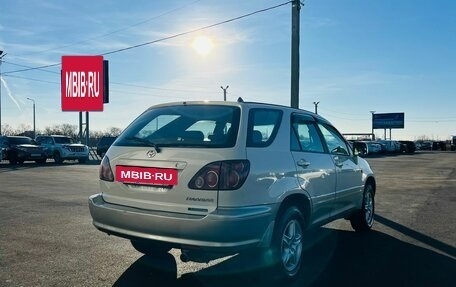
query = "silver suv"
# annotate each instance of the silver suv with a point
(62, 148)
(228, 176)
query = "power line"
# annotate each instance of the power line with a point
(114, 31)
(196, 30)
(111, 90)
(165, 38)
(32, 79)
(120, 84)
(29, 67)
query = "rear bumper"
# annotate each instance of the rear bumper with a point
(229, 229)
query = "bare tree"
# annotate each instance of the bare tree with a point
(22, 128)
(69, 130)
(113, 131)
(8, 130)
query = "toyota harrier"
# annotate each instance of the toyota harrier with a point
(230, 176)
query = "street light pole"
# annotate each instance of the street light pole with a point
(34, 126)
(1, 83)
(316, 107)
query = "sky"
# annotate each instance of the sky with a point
(356, 56)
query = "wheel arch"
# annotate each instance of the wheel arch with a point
(301, 201)
(371, 180)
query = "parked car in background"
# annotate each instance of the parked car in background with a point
(360, 147)
(225, 177)
(104, 144)
(408, 146)
(17, 149)
(365, 148)
(391, 146)
(62, 148)
(423, 145)
(439, 145)
(374, 147)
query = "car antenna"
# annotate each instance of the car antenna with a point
(240, 100)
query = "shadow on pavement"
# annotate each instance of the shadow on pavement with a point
(334, 258)
(6, 167)
(448, 249)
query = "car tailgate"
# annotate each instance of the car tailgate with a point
(133, 185)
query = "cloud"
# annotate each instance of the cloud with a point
(10, 94)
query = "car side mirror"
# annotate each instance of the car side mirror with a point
(356, 154)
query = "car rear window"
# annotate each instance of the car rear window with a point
(207, 126)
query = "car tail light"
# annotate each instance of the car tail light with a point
(221, 175)
(105, 170)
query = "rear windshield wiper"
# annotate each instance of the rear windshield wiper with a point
(144, 141)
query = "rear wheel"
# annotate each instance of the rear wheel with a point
(150, 247)
(288, 243)
(12, 157)
(364, 218)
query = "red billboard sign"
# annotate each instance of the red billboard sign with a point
(82, 83)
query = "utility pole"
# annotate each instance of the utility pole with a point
(224, 92)
(316, 107)
(295, 21)
(1, 83)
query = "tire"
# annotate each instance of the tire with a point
(363, 220)
(287, 243)
(12, 158)
(150, 247)
(57, 157)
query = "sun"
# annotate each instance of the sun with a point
(202, 45)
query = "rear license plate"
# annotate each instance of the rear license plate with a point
(146, 175)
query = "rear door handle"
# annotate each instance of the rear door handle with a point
(303, 163)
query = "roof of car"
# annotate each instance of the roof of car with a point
(61, 136)
(16, 137)
(238, 103)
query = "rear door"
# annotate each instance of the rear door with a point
(314, 166)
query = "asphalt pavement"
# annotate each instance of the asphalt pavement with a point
(47, 237)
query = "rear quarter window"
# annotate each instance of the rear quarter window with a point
(263, 126)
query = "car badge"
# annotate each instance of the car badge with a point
(151, 153)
